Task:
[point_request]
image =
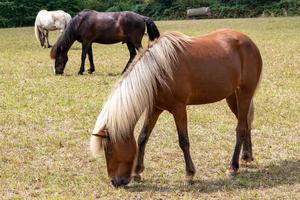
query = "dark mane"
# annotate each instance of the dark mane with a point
(67, 38)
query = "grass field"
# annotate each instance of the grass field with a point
(46, 120)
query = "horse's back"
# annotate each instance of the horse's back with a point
(44, 19)
(42, 12)
(52, 20)
(228, 50)
(109, 27)
(212, 67)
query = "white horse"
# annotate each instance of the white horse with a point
(49, 21)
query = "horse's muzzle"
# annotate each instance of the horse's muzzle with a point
(119, 181)
(59, 73)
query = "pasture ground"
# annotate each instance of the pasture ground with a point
(46, 120)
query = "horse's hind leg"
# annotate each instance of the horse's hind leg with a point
(247, 155)
(244, 99)
(41, 37)
(90, 54)
(232, 103)
(180, 117)
(150, 121)
(247, 144)
(132, 52)
(47, 39)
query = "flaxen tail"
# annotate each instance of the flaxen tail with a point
(37, 32)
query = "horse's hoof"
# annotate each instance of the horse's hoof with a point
(136, 178)
(231, 172)
(90, 71)
(188, 180)
(245, 161)
(80, 73)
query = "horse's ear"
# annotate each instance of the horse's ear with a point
(102, 133)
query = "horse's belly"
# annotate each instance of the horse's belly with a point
(209, 95)
(48, 24)
(50, 28)
(108, 40)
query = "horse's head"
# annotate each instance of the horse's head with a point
(61, 59)
(120, 157)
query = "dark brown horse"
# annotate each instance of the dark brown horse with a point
(175, 72)
(88, 27)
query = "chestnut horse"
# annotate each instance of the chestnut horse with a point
(90, 26)
(176, 71)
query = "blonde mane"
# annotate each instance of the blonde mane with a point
(135, 92)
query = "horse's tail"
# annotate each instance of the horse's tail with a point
(152, 29)
(37, 32)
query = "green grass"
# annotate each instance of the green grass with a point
(46, 120)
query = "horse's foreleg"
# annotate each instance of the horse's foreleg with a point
(84, 51)
(132, 52)
(150, 121)
(92, 66)
(242, 129)
(180, 117)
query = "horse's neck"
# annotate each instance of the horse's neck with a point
(71, 42)
(68, 43)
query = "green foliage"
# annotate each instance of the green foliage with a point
(254, 8)
(23, 12)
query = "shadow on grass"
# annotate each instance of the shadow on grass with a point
(114, 74)
(272, 175)
(86, 74)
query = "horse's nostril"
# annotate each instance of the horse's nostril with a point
(124, 181)
(58, 73)
(113, 182)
